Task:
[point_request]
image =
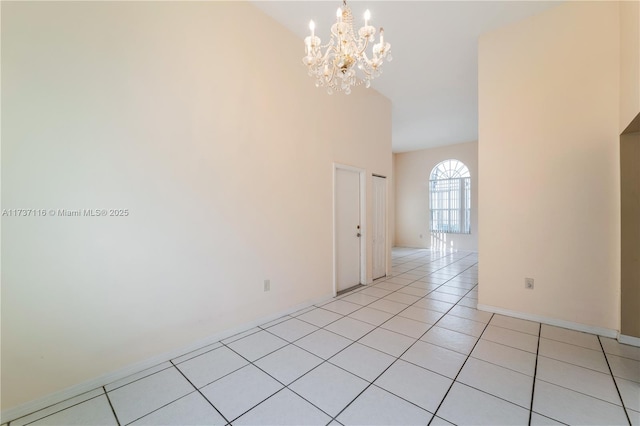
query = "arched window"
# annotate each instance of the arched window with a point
(450, 198)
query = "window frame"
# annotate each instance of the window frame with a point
(450, 198)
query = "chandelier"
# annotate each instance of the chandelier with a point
(334, 64)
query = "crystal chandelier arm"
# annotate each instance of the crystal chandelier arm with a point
(335, 65)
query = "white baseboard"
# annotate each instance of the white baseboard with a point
(606, 332)
(75, 390)
(629, 340)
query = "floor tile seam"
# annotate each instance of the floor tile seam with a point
(397, 358)
(55, 412)
(367, 304)
(223, 376)
(351, 318)
(615, 383)
(288, 342)
(113, 410)
(459, 371)
(622, 356)
(403, 398)
(580, 392)
(398, 314)
(405, 351)
(227, 341)
(607, 373)
(409, 318)
(517, 331)
(470, 319)
(165, 405)
(573, 344)
(306, 310)
(535, 373)
(407, 335)
(362, 306)
(253, 406)
(574, 364)
(462, 332)
(381, 388)
(328, 361)
(300, 347)
(173, 361)
(284, 386)
(447, 284)
(341, 316)
(200, 392)
(509, 346)
(143, 377)
(318, 356)
(428, 369)
(293, 390)
(264, 326)
(495, 396)
(627, 379)
(549, 417)
(410, 346)
(503, 366)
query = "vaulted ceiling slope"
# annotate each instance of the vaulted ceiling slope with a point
(433, 79)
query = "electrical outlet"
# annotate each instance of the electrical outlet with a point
(528, 283)
(267, 285)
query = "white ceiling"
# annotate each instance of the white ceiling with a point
(433, 79)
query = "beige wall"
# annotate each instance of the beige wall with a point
(200, 119)
(629, 62)
(412, 171)
(549, 165)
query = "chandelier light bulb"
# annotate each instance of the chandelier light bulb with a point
(312, 27)
(339, 14)
(367, 16)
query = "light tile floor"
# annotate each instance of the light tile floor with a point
(409, 349)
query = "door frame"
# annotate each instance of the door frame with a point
(363, 224)
(385, 224)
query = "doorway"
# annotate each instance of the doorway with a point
(349, 235)
(379, 256)
(630, 234)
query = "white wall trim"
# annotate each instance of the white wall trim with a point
(629, 340)
(96, 383)
(606, 332)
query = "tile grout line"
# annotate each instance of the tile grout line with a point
(327, 360)
(197, 390)
(355, 341)
(104, 389)
(535, 372)
(405, 351)
(371, 383)
(455, 380)
(606, 358)
(55, 412)
(284, 386)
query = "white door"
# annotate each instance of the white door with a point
(379, 227)
(347, 228)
